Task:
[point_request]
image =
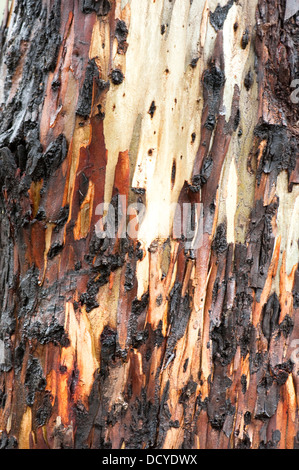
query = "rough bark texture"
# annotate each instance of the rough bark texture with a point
(122, 343)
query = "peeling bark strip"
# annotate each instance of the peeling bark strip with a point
(148, 343)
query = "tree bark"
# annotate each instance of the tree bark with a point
(146, 343)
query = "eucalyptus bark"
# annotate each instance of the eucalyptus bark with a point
(142, 343)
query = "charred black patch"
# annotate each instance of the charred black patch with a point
(219, 242)
(100, 7)
(18, 357)
(121, 34)
(89, 298)
(103, 261)
(117, 413)
(158, 335)
(196, 183)
(218, 17)
(139, 338)
(271, 312)
(2, 398)
(280, 152)
(248, 80)
(159, 300)
(224, 342)
(256, 362)
(54, 39)
(34, 380)
(185, 364)
(219, 407)
(101, 114)
(173, 173)
(7, 167)
(261, 242)
(55, 85)
(44, 333)
(268, 397)
(247, 418)
(43, 414)
(21, 156)
(210, 122)
(121, 31)
(62, 217)
(179, 313)
(138, 306)
(41, 214)
(187, 392)
(92, 78)
(164, 415)
(152, 109)
(215, 289)
(28, 289)
(213, 80)
(245, 39)
(246, 337)
(129, 278)
(85, 419)
(74, 380)
(78, 266)
(212, 208)
(286, 326)
(40, 58)
(244, 383)
(202, 404)
(55, 154)
(108, 349)
(296, 290)
(199, 180)
(137, 252)
(194, 61)
(145, 415)
(272, 444)
(244, 443)
(8, 442)
(218, 420)
(43, 165)
(138, 190)
(237, 119)
(55, 249)
(12, 57)
(281, 372)
(193, 137)
(117, 77)
(174, 424)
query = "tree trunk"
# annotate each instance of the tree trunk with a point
(151, 341)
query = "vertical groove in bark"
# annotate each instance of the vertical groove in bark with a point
(123, 343)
